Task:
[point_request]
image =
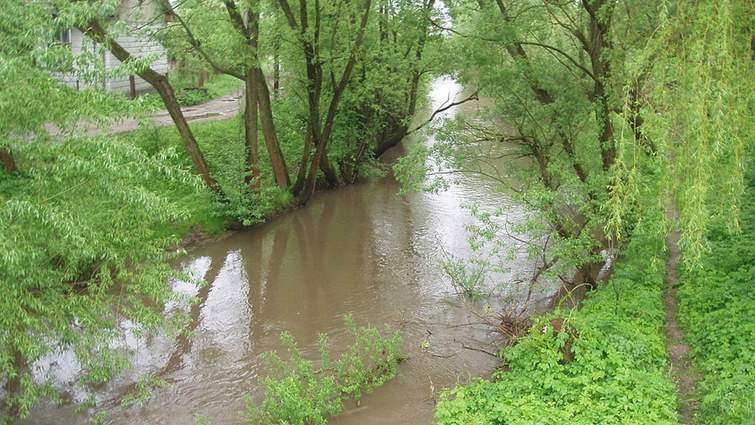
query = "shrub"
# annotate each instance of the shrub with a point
(296, 392)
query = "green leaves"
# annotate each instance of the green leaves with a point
(298, 393)
(618, 374)
(717, 305)
(85, 228)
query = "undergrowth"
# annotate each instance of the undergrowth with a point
(605, 363)
(717, 307)
(297, 391)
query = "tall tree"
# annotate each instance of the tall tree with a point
(160, 83)
(241, 25)
(319, 130)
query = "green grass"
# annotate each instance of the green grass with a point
(717, 312)
(619, 373)
(222, 143)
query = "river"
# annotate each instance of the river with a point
(361, 250)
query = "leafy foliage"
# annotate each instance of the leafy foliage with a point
(86, 227)
(296, 392)
(618, 371)
(717, 305)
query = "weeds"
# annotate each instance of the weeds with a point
(298, 392)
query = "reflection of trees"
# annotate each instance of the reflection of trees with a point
(185, 339)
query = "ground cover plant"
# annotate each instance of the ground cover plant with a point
(603, 364)
(717, 305)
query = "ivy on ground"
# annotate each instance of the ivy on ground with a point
(717, 306)
(603, 364)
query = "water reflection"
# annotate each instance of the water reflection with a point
(361, 250)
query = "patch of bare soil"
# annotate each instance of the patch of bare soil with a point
(681, 368)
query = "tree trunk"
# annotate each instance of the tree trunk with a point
(168, 96)
(250, 127)
(13, 386)
(6, 158)
(165, 90)
(276, 68)
(301, 175)
(277, 161)
(320, 158)
(280, 171)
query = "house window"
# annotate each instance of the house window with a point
(64, 37)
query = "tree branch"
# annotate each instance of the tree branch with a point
(196, 44)
(473, 96)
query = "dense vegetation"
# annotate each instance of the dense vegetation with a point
(603, 364)
(609, 111)
(89, 224)
(298, 393)
(717, 304)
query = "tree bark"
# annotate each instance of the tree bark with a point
(262, 95)
(280, 170)
(6, 158)
(160, 83)
(276, 68)
(250, 127)
(338, 91)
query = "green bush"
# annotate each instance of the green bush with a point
(607, 364)
(85, 227)
(296, 392)
(222, 143)
(717, 308)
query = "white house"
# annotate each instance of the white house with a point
(140, 17)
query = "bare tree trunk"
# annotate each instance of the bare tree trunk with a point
(277, 160)
(204, 75)
(165, 90)
(6, 158)
(280, 170)
(301, 175)
(276, 68)
(251, 114)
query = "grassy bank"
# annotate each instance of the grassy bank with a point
(717, 308)
(607, 365)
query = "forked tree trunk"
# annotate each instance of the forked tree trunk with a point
(320, 159)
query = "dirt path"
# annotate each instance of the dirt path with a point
(681, 369)
(222, 108)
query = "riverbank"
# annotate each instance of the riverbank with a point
(604, 363)
(359, 250)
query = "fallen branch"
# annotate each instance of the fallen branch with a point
(479, 350)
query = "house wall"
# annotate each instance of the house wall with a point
(77, 45)
(139, 46)
(136, 14)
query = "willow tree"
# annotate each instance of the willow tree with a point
(589, 93)
(692, 80)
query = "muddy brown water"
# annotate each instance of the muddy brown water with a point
(361, 250)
